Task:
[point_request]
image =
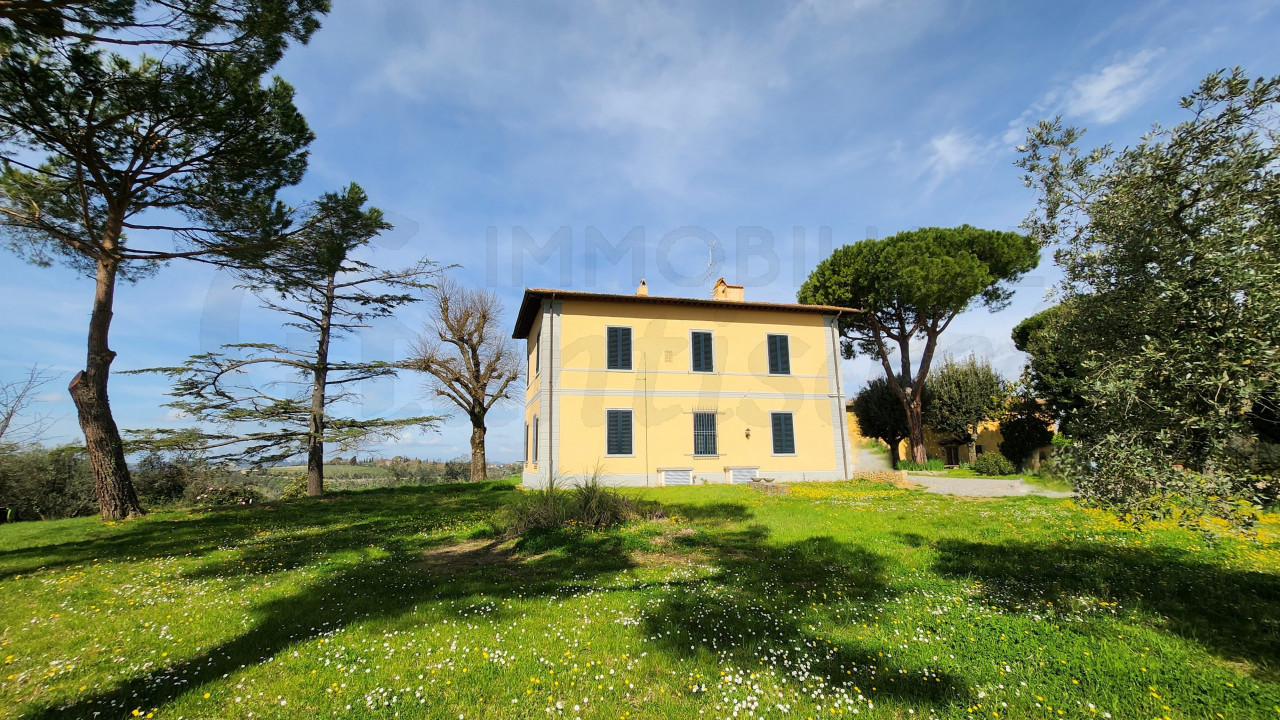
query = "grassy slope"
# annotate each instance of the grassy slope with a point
(831, 600)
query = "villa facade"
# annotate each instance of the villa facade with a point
(653, 391)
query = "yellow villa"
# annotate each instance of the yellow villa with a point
(658, 391)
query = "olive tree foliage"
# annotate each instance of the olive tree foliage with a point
(1171, 255)
(909, 287)
(325, 292)
(881, 416)
(963, 395)
(468, 357)
(104, 158)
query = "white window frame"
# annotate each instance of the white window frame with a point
(534, 452)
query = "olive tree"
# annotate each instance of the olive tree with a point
(1171, 260)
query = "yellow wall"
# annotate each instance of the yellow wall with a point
(662, 391)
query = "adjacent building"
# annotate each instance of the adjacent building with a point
(948, 449)
(653, 391)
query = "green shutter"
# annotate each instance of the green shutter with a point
(618, 432)
(701, 351)
(611, 348)
(618, 348)
(779, 354)
(784, 438)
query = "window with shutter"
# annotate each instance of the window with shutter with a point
(779, 354)
(618, 432)
(534, 450)
(618, 348)
(784, 437)
(704, 433)
(701, 352)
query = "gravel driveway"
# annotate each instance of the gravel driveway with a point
(981, 487)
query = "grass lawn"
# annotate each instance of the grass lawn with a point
(834, 600)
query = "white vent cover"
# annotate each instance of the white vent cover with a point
(677, 477)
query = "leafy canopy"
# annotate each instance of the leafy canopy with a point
(963, 395)
(1171, 255)
(197, 151)
(1024, 427)
(917, 281)
(1055, 362)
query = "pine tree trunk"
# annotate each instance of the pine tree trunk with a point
(973, 448)
(315, 455)
(319, 387)
(117, 499)
(894, 456)
(915, 426)
(479, 470)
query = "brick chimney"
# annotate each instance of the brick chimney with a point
(726, 292)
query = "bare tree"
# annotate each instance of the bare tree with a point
(15, 398)
(467, 355)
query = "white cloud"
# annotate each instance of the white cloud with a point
(1102, 97)
(1107, 95)
(655, 91)
(954, 151)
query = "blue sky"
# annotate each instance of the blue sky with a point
(476, 123)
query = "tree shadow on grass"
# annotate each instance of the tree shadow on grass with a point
(376, 513)
(415, 570)
(1234, 614)
(758, 607)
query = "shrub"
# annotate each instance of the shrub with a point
(226, 494)
(992, 464)
(546, 507)
(39, 483)
(160, 480)
(295, 489)
(590, 504)
(931, 464)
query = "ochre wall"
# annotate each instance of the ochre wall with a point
(663, 391)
